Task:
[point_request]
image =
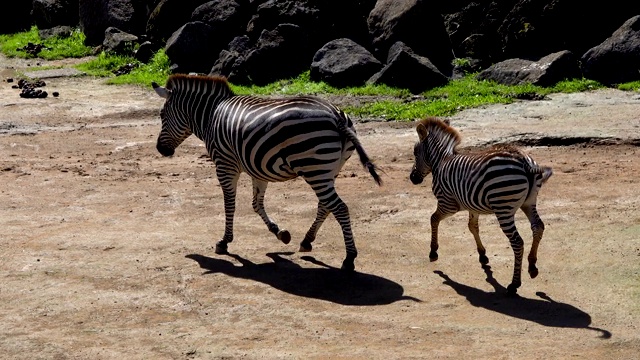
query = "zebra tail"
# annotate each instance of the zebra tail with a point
(364, 158)
(545, 171)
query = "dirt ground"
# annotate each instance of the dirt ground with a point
(107, 247)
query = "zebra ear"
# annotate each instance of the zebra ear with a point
(422, 131)
(447, 121)
(163, 92)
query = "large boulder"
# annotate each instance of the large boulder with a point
(51, 13)
(98, 15)
(278, 54)
(534, 28)
(189, 50)
(342, 63)
(227, 19)
(230, 63)
(547, 71)
(617, 59)
(473, 31)
(320, 20)
(416, 23)
(407, 70)
(168, 16)
(118, 41)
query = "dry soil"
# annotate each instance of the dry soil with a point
(106, 248)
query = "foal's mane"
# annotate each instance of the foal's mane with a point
(443, 129)
(177, 79)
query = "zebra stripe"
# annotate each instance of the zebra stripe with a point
(271, 140)
(497, 181)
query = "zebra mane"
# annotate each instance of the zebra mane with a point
(179, 80)
(443, 130)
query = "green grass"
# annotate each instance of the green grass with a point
(384, 102)
(56, 47)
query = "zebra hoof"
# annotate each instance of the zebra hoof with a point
(512, 289)
(484, 260)
(533, 271)
(348, 265)
(433, 256)
(305, 247)
(284, 236)
(221, 248)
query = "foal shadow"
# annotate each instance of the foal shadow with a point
(544, 311)
(324, 282)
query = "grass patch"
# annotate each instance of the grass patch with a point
(630, 86)
(386, 103)
(55, 48)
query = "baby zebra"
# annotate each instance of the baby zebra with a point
(500, 180)
(270, 140)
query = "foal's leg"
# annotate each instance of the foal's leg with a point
(508, 226)
(228, 183)
(475, 230)
(259, 188)
(537, 227)
(321, 215)
(439, 215)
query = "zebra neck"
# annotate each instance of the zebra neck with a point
(440, 150)
(201, 113)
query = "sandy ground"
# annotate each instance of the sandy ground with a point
(107, 247)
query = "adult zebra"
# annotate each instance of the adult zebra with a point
(500, 180)
(271, 140)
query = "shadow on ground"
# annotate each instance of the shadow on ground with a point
(544, 311)
(324, 282)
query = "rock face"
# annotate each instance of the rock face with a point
(617, 59)
(545, 72)
(410, 44)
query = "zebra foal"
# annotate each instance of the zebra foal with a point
(271, 140)
(497, 181)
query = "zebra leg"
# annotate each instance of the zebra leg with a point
(537, 227)
(322, 214)
(436, 217)
(259, 188)
(228, 183)
(329, 200)
(508, 226)
(475, 230)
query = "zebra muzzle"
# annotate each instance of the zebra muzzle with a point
(164, 150)
(415, 177)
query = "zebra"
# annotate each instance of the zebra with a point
(271, 140)
(497, 181)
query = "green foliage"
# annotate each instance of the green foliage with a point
(104, 64)
(54, 48)
(157, 70)
(630, 86)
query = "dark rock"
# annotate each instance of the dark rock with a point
(617, 59)
(407, 70)
(62, 31)
(189, 48)
(416, 23)
(343, 63)
(51, 13)
(118, 41)
(545, 72)
(278, 54)
(168, 16)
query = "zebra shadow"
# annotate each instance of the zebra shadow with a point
(324, 282)
(544, 311)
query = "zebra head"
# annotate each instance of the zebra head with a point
(421, 165)
(174, 128)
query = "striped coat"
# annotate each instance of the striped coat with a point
(271, 140)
